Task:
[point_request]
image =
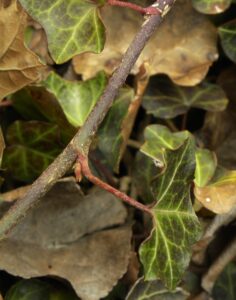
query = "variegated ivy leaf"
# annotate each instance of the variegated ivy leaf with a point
(167, 252)
(35, 289)
(32, 146)
(227, 34)
(166, 100)
(211, 6)
(144, 171)
(77, 99)
(205, 166)
(154, 290)
(158, 139)
(111, 134)
(72, 26)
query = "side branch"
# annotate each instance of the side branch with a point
(82, 140)
(82, 163)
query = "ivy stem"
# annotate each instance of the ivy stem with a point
(83, 138)
(184, 121)
(82, 168)
(171, 125)
(150, 10)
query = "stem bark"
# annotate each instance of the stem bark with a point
(82, 140)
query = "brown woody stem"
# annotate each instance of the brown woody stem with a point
(82, 140)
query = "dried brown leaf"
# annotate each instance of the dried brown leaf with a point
(184, 47)
(219, 199)
(66, 236)
(19, 66)
(220, 195)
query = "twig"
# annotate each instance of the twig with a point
(134, 144)
(150, 10)
(171, 125)
(141, 83)
(184, 121)
(82, 140)
(217, 267)
(83, 167)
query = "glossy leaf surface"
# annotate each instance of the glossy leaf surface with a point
(72, 26)
(227, 34)
(158, 139)
(167, 100)
(34, 289)
(154, 290)
(110, 134)
(32, 147)
(76, 98)
(166, 253)
(205, 166)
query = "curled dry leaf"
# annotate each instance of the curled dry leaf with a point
(183, 48)
(19, 66)
(68, 236)
(219, 197)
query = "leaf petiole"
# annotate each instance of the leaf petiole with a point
(150, 10)
(82, 168)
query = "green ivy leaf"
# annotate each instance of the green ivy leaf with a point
(77, 99)
(144, 172)
(23, 103)
(227, 34)
(36, 103)
(34, 289)
(224, 287)
(166, 253)
(211, 6)
(159, 139)
(72, 26)
(32, 147)
(110, 134)
(206, 164)
(154, 290)
(166, 100)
